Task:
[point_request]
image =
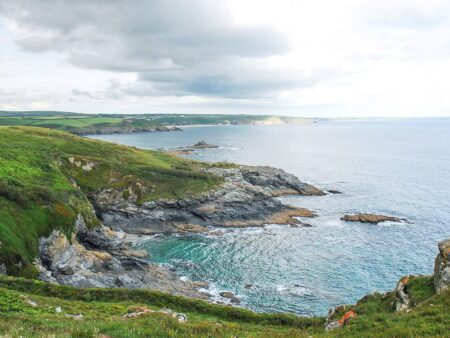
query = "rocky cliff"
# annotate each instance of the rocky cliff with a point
(246, 198)
(102, 256)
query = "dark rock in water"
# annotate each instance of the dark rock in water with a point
(190, 149)
(230, 295)
(248, 286)
(203, 144)
(442, 267)
(331, 191)
(371, 218)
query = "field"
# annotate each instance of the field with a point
(82, 124)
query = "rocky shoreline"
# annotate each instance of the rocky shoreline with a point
(246, 198)
(103, 256)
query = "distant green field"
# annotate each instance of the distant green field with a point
(83, 124)
(57, 122)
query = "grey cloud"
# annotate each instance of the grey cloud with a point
(176, 47)
(80, 93)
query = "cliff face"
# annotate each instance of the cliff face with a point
(101, 257)
(246, 198)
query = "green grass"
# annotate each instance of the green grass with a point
(103, 309)
(37, 192)
(377, 317)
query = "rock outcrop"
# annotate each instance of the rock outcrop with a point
(246, 198)
(203, 145)
(190, 149)
(402, 301)
(101, 258)
(442, 267)
(371, 218)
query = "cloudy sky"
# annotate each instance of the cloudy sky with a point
(359, 58)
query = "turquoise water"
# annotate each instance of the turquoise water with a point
(394, 167)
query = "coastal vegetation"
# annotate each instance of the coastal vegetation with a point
(29, 308)
(38, 192)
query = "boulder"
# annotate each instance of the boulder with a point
(442, 267)
(231, 296)
(371, 218)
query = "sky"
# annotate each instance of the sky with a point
(327, 58)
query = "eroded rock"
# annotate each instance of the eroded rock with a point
(402, 302)
(442, 267)
(100, 257)
(246, 198)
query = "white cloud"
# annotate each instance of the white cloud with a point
(328, 58)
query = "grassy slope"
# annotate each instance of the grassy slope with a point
(103, 310)
(37, 194)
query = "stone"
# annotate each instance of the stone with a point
(230, 295)
(442, 267)
(332, 326)
(66, 269)
(180, 317)
(74, 317)
(29, 301)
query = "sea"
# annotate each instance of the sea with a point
(394, 167)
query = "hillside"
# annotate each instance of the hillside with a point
(83, 124)
(41, 190)
(36, 309)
